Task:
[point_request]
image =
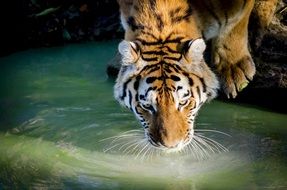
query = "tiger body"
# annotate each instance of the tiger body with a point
(163, 78)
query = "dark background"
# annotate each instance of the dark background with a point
(37, 23)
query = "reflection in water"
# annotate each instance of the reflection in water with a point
(61, 128)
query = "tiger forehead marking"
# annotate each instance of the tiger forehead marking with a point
(163, 83)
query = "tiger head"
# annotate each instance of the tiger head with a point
(165, 88)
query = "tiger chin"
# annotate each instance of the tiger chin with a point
(163, 78)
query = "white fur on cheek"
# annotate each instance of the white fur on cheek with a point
(178, 95)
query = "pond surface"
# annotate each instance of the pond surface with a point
(57, 113)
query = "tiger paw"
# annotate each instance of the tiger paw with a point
(235, 76)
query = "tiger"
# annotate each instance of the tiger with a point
(164, 78)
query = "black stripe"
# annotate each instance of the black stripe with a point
(174, 78)
(209, 94)
(203, 84)
(136, 84)
(147, 67)
(173, 58)
(144, 42)
(149, 58)
(132, 23)
(175, 11)
(175, 69)
(188, 12)
(160, 42)
(137, 112)
(154, 53)
(136, 97)
(150, 79)
(187, 94)
(171, 50)
(124, 89)
(142, 97)
(170, 36)
(168, 70)
(130, 98)
(175, 40)
(149, 89)
(155, 68)
(190, 80)
(152, 4)
(160, 23)
(179, 18)
(199, 93)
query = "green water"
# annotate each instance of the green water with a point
(56, 106)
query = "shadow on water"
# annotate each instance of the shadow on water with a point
(56, 105)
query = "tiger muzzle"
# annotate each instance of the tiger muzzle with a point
(168, 131)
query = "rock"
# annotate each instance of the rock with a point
(269, 86)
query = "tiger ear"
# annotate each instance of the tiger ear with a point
(129, 51)
(195, 49)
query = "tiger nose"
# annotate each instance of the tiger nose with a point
(163, 141)
(171, 144)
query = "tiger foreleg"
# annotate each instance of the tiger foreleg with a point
(232, 58)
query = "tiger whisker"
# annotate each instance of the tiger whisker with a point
(212, 130)
(152, 150)
(204, 143)
(190, 149)
(137, 145)
(210, 146)
(147, 147)
(110, 148)
(144, 153)
(118, 140)
(138, 154)
(213, 142)
(123, 134)
(115, 138)
(193, 150)
(130, 146)
(204, 152)
(198, 150)
(128, 143)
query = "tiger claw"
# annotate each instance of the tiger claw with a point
(242, 86)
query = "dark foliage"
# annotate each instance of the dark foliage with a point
(35, 23)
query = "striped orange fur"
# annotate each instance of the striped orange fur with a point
(164, 79)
